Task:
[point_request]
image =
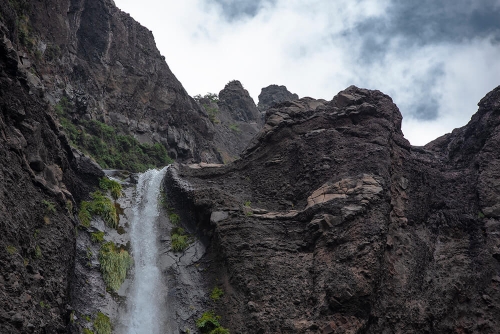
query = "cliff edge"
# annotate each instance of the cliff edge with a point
(331, 222)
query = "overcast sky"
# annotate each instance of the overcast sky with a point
(435, 58)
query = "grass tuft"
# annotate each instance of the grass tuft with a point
(50, 207)
(102, 324)
(174, 218)
(209, 323)
(113, 186)
(115, 263)
(38, 252)
(234, 127)
(97, 236)
(11, 249)
(101, 206)
(179, 239)
(216, 294)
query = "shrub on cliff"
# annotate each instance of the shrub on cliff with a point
(102, 324)
(101, 206)
(113, 186)
(207, 101)
(209, 323)
(179, 239)
(115, 263)
(109, 148)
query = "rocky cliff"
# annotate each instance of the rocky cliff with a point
(41, 180)
(64, 65)
(106, 67)
(331, 222)
(235, 117)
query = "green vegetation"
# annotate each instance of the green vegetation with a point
(114, 265)
(174, 218)
(89, 256)
(97, 236)
(480, 215)
(209, 323)
(69, 206)
(100, 205)
(211, 111)
(220, 330)
(246, 208)
(49, 206)
(24, 32)
(216, 294)
(113, 186)
(44, 304)
(87, 331)
(38, 252)
(234, 127)
(212, 97)
(11, 249)
(102, 324)
(107, 147)
(52, 52)
(179, 239)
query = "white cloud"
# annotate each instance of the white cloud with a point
(310, 47)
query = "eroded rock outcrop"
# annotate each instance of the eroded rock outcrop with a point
(332, 222)
(273, 94)
(236, 120)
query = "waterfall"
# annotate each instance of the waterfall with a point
(145, 303)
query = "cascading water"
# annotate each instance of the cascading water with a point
(145, 303)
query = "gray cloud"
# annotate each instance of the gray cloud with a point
(237, 9)
(427, 22)
(426, 106)
(408, 27)
(430, 21)
(436, 59)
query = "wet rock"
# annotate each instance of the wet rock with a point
(218, 216)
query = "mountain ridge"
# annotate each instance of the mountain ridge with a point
(326, 220)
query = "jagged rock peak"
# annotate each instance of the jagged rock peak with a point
(237, 99)
(273, 94)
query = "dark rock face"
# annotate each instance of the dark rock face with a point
(41, 179)
(109, 68)
(273, 94)
(236, 101)
(237, 120)
(331, 222)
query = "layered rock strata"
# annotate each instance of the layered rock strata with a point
(331, 222)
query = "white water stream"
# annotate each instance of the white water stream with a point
(145, 303)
